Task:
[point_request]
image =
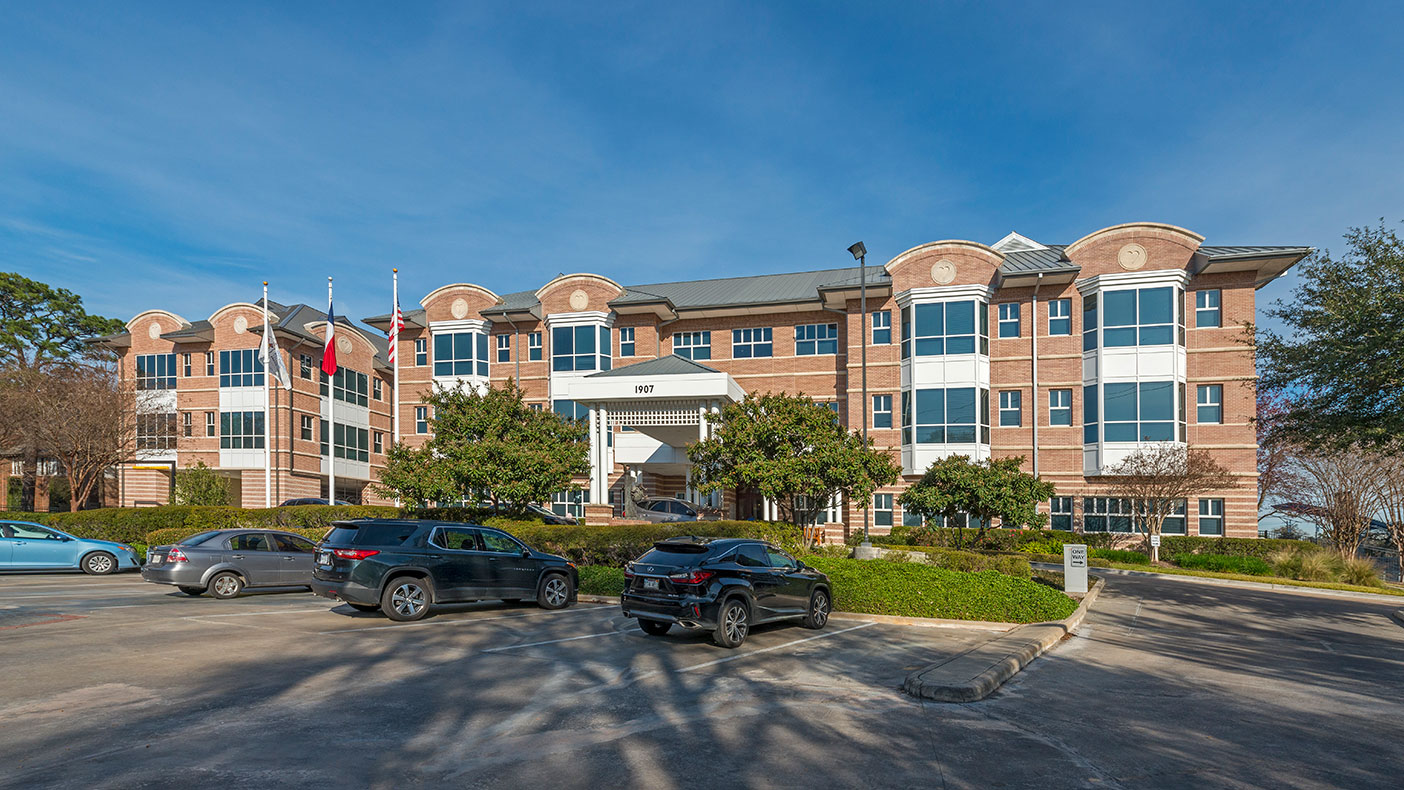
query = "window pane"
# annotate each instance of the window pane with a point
(960, 319)
(1119, 308)
(562, 341)
(930, 407)
(960, 406)
(930, 321)
(1157, 306)
(1120, 403)
(585, 341)
(1157, 401)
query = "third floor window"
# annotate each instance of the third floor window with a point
(156, 371)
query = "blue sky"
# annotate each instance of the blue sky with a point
(164, 155)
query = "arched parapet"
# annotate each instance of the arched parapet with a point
(944, 263)
(458, 302)
(1133, 246)
(578, 293)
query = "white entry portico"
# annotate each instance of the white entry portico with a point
(665, 403)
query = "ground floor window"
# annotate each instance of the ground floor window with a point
(1106, 514)
(1211, 516)
(570, 503)
(1174, 523)
(1060, 509)
(882, 510)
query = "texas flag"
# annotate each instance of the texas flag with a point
(329, 351)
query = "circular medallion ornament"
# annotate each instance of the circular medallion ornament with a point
(241, 325)
(1131, 257)
(579, 300)
(943, 272)
(153, 331)
(459, 308)
(343, 345)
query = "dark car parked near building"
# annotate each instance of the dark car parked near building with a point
(402, 567)
(722, 585)
(224, 562)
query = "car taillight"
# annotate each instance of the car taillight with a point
(176, 555)
(628, 572)
(691, 577)
(354, 554)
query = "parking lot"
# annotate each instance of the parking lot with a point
(112, 682)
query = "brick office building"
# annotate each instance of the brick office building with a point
(1071, 356)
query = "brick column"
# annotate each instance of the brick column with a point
(41, 494)
(4, 484)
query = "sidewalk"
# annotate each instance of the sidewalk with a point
(1286, 588)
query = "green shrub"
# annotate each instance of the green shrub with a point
(1236, 547)
(917, 590)
(617, 545)
(995, 539)
(1120, 555)
(1317, 566)
(599, 580)
(1223, 563)
(1360, 572)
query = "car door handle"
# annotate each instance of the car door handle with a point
(290, 559)
(236, 556)
(435, 556)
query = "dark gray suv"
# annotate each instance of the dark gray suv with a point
(223, 562)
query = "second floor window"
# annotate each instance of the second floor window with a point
(187, 424)
(350, 442)
(1206, 308)
(348, 386)
(534, 346)
(421, 419)
(1060, 407)
(882, 411)
(304, 366)
(816, 339)
(377, 390)
(460, 354)
(156, 371)
(421, 352)
(241, 430)
(240, 369)
(1060, 317)
(185, 366)
(1138, 317)
(693, 345)
(580, 348)
(209, 423)
(882, 327)
(504, 348)
(958, 415)
(1011, 409)
(626, 341)
(1135, 412)
(306, 428)
(156, 432)
(1009, 319)
(1210, 403)
(379, 446)
(209, 363)
(752, 343)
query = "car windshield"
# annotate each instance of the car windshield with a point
(676, 554)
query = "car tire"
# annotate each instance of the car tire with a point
(819, 607)
(225, 585)
(364, 607)
(553, 592)
(406, 598)
(193, 591)
(98, 563)
(654, 627)
(733, 624)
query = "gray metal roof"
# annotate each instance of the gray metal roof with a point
(671, 365)
(756, 289)
(1244, 252)
(1033, 261)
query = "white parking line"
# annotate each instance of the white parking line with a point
(567, 639)
(251, 614)
(775, 647)
(470, 621)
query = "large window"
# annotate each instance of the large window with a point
(1009, 319)
(156, 371)
(570, 410)
(1011, 409)
(1211, 516)
(460, 354)
(156, 431)
(1211, 403)
(580, 348)
(1089, 322)
(752, 343)
(504, 348)
(1060, 509)
(348, 386)
(882, 510)
(1060, 407)
(882, 327)
(946, 416)
(350, 442)
(933, 330)
(240, 368)
(1089, 414)
(1060, 317)
(1143, 411)
(1206, 308)
(1106, 514)
(626, 341)
(882, 411)
(816, 339)
(241, 430)
(570, 503)
(1139, 317)
(693, 345)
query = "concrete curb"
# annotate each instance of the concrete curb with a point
(888, 619)
(1398, 615)
(975, 674)
(1266, 586)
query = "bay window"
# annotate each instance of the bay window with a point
(460, 354)
(1139, 411)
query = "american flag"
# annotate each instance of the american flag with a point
(397, 323)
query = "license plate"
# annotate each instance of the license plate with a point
(156, 560)
(650, 584)
(324, 560)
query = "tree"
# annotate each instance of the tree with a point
(1342, 351)
(1338, 493)
(792, 451)
(200, 485)
(1389, 492)
(1158, 479)
(488, 444)
(985, 490)
(40, 326)
(1276, 471)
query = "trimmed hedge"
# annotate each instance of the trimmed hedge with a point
(1233, 547)
(971, 562)
(915, 590)
(1119, 555)
(1041, 541)
(134, 524)
(599, 580)
(1223, 563)
(615, 546)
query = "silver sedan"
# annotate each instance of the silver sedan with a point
(224, 562)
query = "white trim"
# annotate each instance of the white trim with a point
(1016, 242)
(464, 325)
(944, 293)
(1114, 280)
(584, 318)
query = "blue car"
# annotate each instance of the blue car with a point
(32, 547)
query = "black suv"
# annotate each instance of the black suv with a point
(401, 567)
(723, 585)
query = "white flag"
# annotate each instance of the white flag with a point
(271, 359)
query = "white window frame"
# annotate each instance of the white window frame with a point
(534, 347)
(1209, 396)
(882, 404)
(626, 338)
(1060, 310)
(884, 503)
(1211, 509)
(882, 322)
(211, 425)
(421, 420)
(1202, 308)
(1009, 315)
(689, 344)
(821, 333)
(1055, 396)
(1011, 402)
(307, 430)
(421, 352)
(504, 348)
(751, 337)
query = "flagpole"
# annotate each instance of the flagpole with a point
(395, 387)
(268, 353)
(331, 406)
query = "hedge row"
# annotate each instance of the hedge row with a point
(970, 561)
(915, 590)
(1045, 541)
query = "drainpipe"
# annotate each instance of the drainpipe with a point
(1033, 399)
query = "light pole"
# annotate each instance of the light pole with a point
(860, 254)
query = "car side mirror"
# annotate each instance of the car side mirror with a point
(65, 538)
(526, 553)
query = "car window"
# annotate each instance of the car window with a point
(456, 539)
(752, 557)
(250, 541)
(780, 559)
(26, 532)
(293, 543)
(496, 541)
(197, 539)
(658, 507)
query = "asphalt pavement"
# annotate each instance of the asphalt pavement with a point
(111, 682)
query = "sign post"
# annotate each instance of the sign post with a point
(1074, 568)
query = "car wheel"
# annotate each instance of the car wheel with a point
(733, 625)
(654, 627)
(554, 592)
(818, 615)
(406, 598)
(364, 607)
(99, 563)
(191, 590)
(226, 585)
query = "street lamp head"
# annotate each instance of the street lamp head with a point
(858, 250)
